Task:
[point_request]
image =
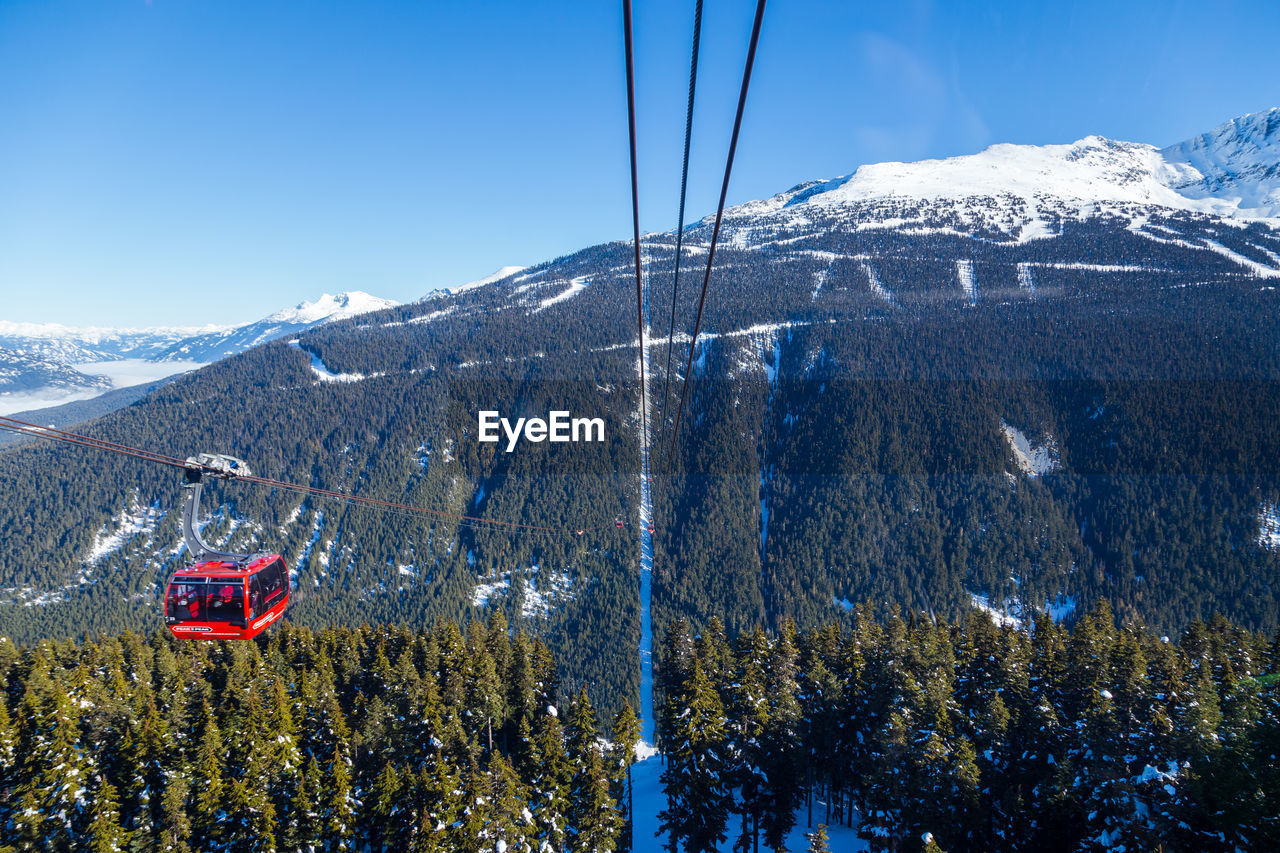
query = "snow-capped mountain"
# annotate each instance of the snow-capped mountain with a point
(1023, 192)
(44, 364)
(329, 307)
(1237, 160)
(221, 343)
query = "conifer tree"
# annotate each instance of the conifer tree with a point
(174, 831)
(299, 829)
(441, 807)
(626, 736)
(749, 713)
(339, 802)
(696, 777)
(675, 662)
(485, 697)
(208, 784)
(8, 752)
(593, 819)
(105, 833)
(550, 782)
(510, 824)
(385, 809)
(27, 825)
(57, 766)
(818, 840)
(783, 739)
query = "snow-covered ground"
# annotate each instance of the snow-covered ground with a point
(646, 552)
(647, 787)
(646, 776)
(114, 535)
(1032, 460)
(323, 373)
(1269, 526)
(1012, 614)
(968, 282)
(649, 800)
(576, 286)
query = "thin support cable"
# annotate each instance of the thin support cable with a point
(635, 216)
(715, 232)
(684, 185)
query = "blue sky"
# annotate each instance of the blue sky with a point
(188, 161)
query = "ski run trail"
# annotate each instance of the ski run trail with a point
(648, 798)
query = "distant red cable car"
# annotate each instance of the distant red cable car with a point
(651, 527)
(617, 522)
(221, 596)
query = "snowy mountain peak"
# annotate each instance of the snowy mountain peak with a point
(1091, 169)
(1238, 160)
(330, 307)
(1023, 190)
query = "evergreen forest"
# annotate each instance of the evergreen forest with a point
(369, 739)
(925, 735)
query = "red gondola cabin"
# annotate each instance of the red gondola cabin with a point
(224, 600)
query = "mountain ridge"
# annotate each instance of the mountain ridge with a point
(50, 364)
(1022, 192)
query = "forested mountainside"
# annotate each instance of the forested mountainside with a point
(1019, 401)
(69, 414)
(343, 739)
(938, 736)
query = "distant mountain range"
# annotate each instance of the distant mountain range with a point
(48, 364)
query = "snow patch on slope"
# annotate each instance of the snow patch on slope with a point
(1032, 460)
(115, 534)
(1026, 279)
(489, 588)
(324, 374)
(1007, 615)
(873, 280)
(1269, 526)
(541, 599)
(576, 286)
(968, 282)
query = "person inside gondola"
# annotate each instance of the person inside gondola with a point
(224, 602)
(255, 596)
